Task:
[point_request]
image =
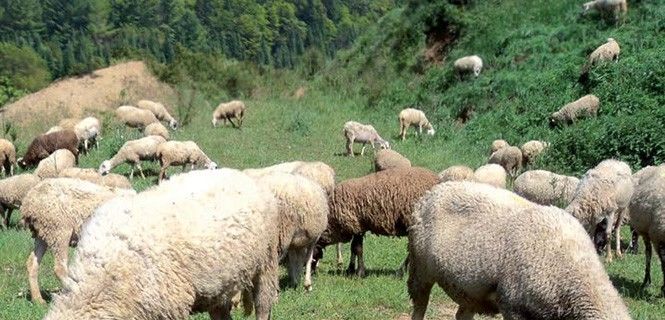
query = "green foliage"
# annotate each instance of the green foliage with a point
(25, 69)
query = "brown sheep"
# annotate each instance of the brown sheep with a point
(42, 146)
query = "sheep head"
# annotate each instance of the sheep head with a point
(173, 123)
(105, 167)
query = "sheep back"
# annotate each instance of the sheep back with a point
(156, 129)
(51, 166)
(456, 173)
(110, 180)
(135, 117)
(492, 174)
(14, 189)
(43, 145)
(510, 158)
(546, 188)
(388, 159)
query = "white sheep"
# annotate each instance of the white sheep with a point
(546, 188)
(159, 111)
(51, 166)
(492, 174)
(510, 158)
(617, 8)
(133, 152)
(7, 157)
(87, 131)
(585, 106)
(607, 52)
(134, 117)
(469, 64)
(532, 149)
(413, 117)
(54, 210)
(183, 247)
(110, 180)
(156, 129)
(385, 159)
(227, 111)
(362, 133)
(492, 252)
(12, 191)
(181, 153)
(498, 144)
(456, 173)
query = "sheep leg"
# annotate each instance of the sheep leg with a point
(32, 265)
(308, 268)
(634, 243)
(617, 233)
(296, 259)
(661, 255)
(419, 291)
(349, 146)
(647, 265)
(8, 216)
(265, 294)
(232, 123)
(357, 247)
(402, 130)
(60, 259)
(162, 173)
(340, 259)
(138, 165)
(362, 151)
(220, 312)
(607, 234)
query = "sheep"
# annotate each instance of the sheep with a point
(602, 197)
(159, 111)
(186, 246)
(532, 149)
(510, 158)
(456, 173)
(380, 202)
(42, 146)
(546, 188)
(68, 123)
(468, 64)
(303, 216)
(585, 106)
(7, 157)
(387, 159)
(51, 166)
(156, 129)
(493, 252)
(87, 131)
(492, 174)
(498, 144)
(54, 129)
(616, 7)
(134, 117)
(413, 117)
(607, 52)
(363, 133)
(110, 180)
(227, 111)
(181, 153)
(12, 191)
(133, 152)
(54, 210)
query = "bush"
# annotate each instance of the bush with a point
(26, 70)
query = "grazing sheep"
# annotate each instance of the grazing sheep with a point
(585, 106)
(181, 153)
(601, 199)
(469, 64)
(159, 111)
(617, 8)
(227, 111)
(387, 159)
(303, 216)
(134, 117)
(133, 152)
(510, 158)
(456, 173)
(498, 144)
(7, 157)
(110, 180)
(546, 188)
(12, 191)
(362, 133)
(492, 174)
(87, 131)
(532, 149)
(380, 203)
(51, 166)
(54, 210)
(186, 246)
(411, 117)
(492, 252)
(42, 146)
(607, 52)
(156, 129)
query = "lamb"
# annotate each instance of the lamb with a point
(135, 117)
(363, 133)
(303, 216)
(87, 131)
(7, 157)
(532, 149)
(186, 245)
(133, 152)
(585, 106)
(607, 52)
(387, 159)
(498, 144)
(468, 64)
(12, 191)
(493, 252)
(546, 188)
(492, 174)
(616, 7)
(43, 145)
(602, 197)
(181, 153)
(456, 173)
(227, 111)
(52, 165)
(510, 158)
(110, 180)
(156, 129)
(54, 210)
(159, 111)
(380, 202)
(413, 117)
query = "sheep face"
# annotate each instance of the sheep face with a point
(431, 131)
(105, 167)
(211, 166)
(21, 163)
(383, 144)
(174, 124)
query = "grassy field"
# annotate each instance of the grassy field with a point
(309, 129)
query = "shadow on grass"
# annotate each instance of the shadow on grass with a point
(383, 272)
(631, 288)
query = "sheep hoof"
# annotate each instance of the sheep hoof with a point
(308, 288)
